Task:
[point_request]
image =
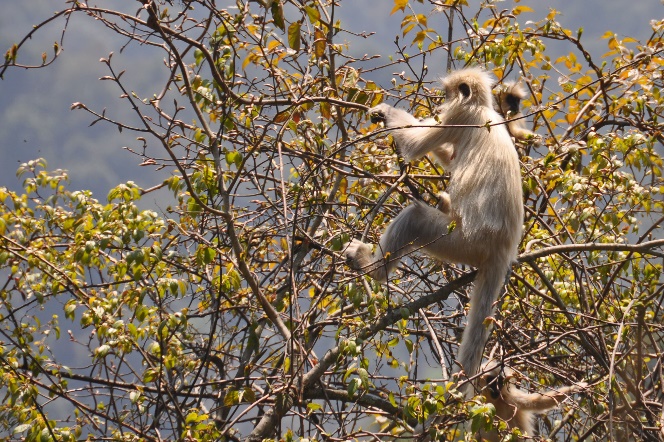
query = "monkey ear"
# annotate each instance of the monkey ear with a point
(464, 89)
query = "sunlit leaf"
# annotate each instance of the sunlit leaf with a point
(399, 5)
(320, 43)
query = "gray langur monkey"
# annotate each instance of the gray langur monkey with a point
(508, 104)
(515, 406)
(483, 199)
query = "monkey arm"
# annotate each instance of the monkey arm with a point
(416, 137)
(541, 402)
(518, 131)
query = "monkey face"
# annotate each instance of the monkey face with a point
(494, 383)
(512, 102)
(509, 97)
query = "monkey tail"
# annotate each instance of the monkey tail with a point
(488, 282)
(487, 285)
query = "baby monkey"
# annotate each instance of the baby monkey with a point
(508, 104)
(515, 406)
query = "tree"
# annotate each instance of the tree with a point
(231, 315)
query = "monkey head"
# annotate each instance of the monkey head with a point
(471, 86)
(495, 381)
(509, 97)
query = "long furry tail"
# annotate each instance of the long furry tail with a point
(487, 285)
(486, 288)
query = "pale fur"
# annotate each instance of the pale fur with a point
(515, 406)
(508, 103)
(484, 199)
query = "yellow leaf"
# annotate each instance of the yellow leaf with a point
(319, 43)
(571, 118)
(419, 37)
(613, 43)
(520, 9)
(271, 45)
(251, 57)
(325, 110)
(399, 4)
(280, 118)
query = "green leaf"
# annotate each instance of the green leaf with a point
(294, 35)
(102, 350)
(277, 10)
(191, 417)
(353, 386)
(248, 395)
(233, 157)
(232, 398)
(21, 428)
(313, 14)
(364, 376)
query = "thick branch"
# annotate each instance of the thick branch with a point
(644, 247)
(365, 400)
(267, 422)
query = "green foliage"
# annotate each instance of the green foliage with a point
(229, 313)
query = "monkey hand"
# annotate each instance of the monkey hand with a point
(379, 113)
(535, 139)
(579, 387)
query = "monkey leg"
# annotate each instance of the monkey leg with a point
(416, 226)
(360, 257)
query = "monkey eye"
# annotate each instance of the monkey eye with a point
(464, 89)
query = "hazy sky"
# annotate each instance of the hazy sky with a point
(35, 120)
